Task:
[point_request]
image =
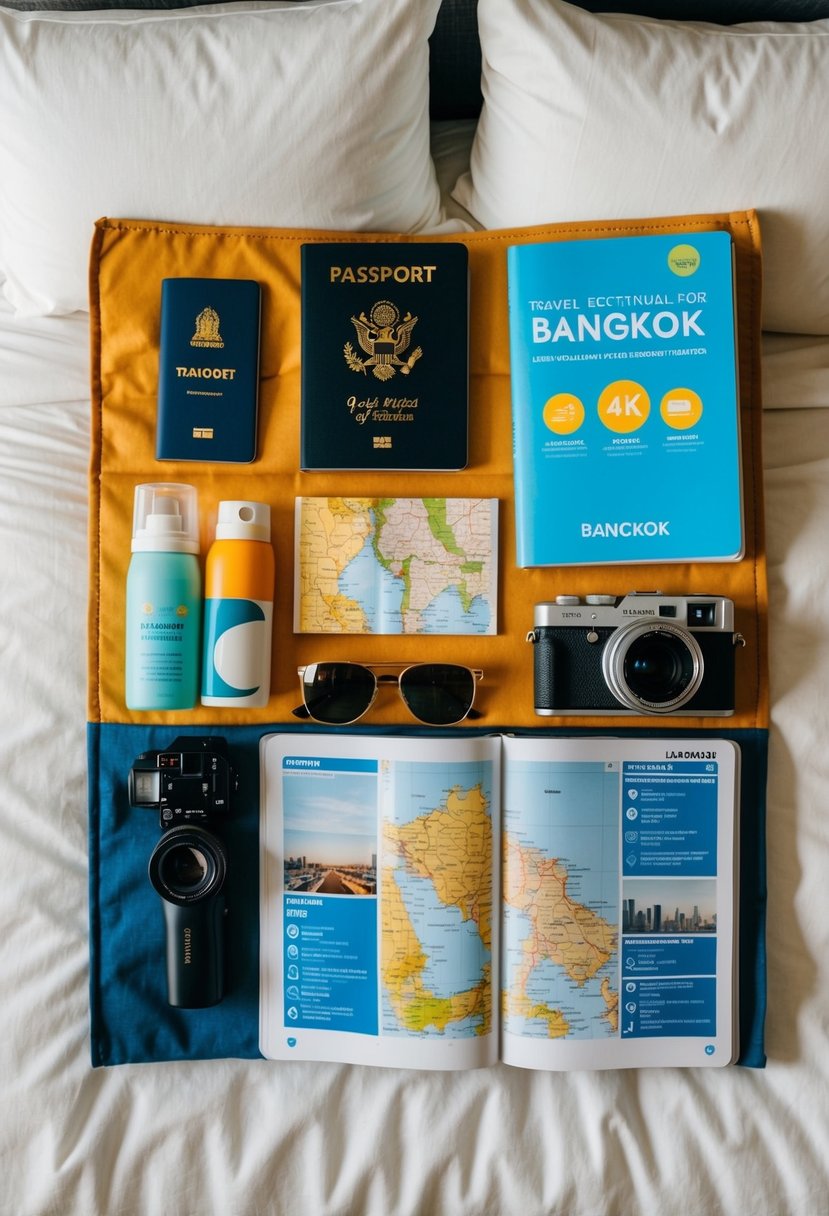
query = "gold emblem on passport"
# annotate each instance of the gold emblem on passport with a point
(384, 338)
(207, 329)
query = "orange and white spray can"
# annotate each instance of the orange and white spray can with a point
(238, 607)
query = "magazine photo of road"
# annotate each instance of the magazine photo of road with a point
(330, 878)
(331, 834)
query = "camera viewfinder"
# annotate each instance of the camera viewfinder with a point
(702, 614)
(667, 609)
(145, 788)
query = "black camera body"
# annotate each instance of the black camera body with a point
(190, 784)
(641, 653)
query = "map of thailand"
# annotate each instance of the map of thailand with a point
(436, 900)
(396, 565)
(561, 907)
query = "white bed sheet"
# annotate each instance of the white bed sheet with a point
(250, 1137)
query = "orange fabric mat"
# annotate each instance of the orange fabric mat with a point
(129, 260)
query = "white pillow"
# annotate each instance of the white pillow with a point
(288, 114)
(605, 117)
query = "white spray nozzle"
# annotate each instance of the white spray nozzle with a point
(166, 519)
(165, 515)
(243, 520)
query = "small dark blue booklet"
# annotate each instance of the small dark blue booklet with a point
(385, 355)
(208, 370)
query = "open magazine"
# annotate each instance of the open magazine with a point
(554, 903)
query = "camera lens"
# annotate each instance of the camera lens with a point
(658, 667)
(653, 668)
(188, 864)
(184, 868)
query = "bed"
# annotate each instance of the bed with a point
(80, 138)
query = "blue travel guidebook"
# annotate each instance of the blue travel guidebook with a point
(625, 405)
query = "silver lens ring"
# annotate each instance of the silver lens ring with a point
(616, 653)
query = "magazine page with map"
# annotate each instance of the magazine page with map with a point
(618, 933)
(378, 892)
(553, 902)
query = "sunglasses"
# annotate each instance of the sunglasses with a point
(437, 694)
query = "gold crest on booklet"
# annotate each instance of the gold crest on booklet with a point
(376, 308)
(384, 338)
(207, 329)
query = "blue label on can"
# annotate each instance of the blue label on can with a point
(235, 648)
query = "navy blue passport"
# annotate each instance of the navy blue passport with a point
(385, 355)
(208, 370)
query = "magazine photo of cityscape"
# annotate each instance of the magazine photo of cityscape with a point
(665, 905)
(338, 854)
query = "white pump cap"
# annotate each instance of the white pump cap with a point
(165, 519)
(240, 520)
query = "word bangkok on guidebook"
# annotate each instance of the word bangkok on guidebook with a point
(555, 903)
(625, 402)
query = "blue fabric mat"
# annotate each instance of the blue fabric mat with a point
(131, 1021)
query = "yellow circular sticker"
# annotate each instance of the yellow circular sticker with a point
(182, 610)
(681, 408)
(563, 414)
(624, 406)
(684, 260)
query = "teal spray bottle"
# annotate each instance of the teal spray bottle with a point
(163, 611)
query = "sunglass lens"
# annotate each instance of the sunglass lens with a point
(438, 693)
(337, 693)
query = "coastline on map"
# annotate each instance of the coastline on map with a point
(396, 565)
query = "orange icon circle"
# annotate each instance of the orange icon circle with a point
(563, 414)
(681, 408)
(624, 406)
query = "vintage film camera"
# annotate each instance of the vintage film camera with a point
(642, 653)
(190, 783)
